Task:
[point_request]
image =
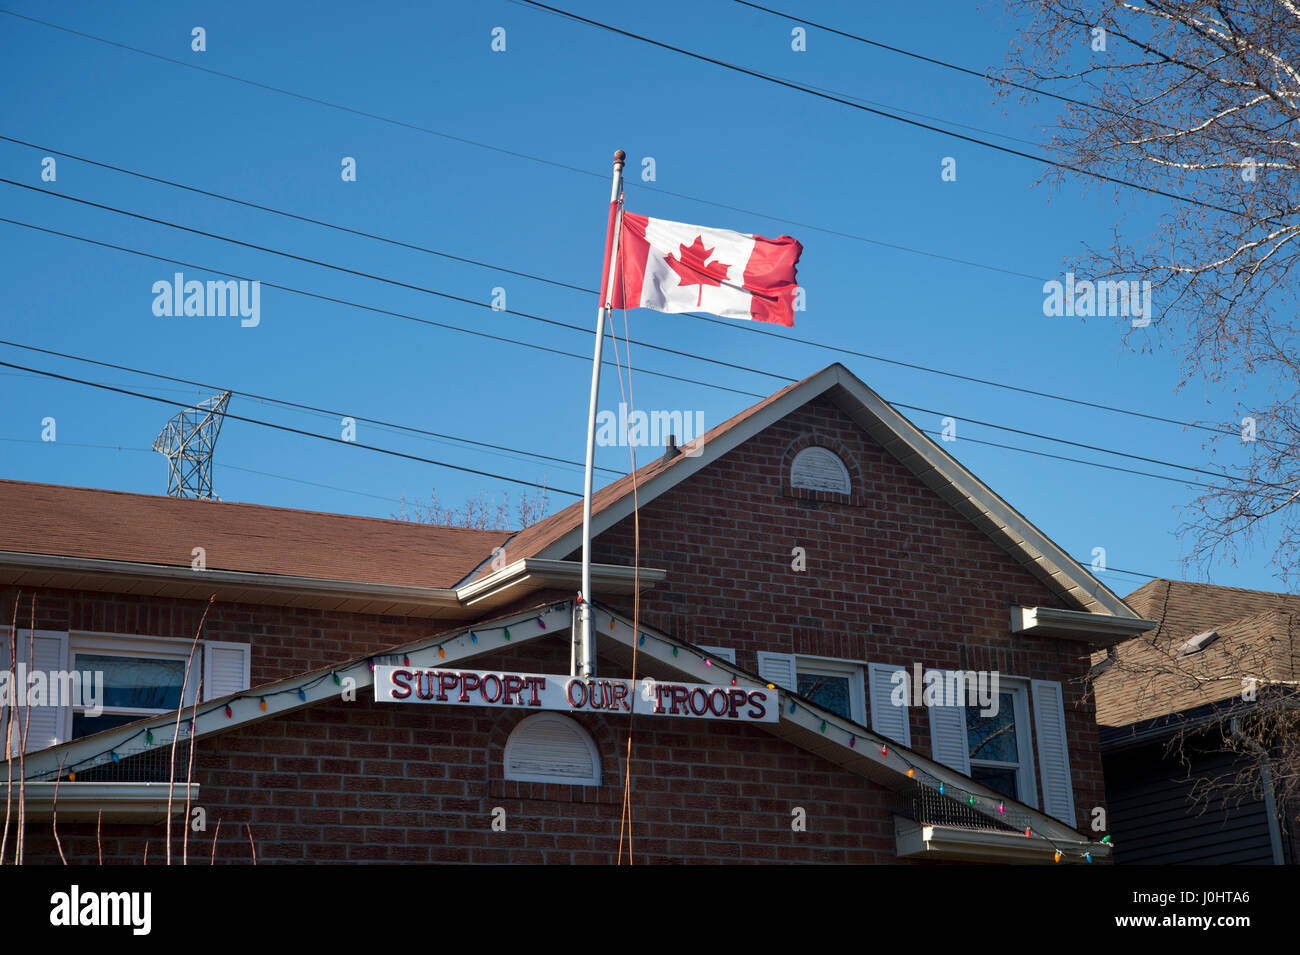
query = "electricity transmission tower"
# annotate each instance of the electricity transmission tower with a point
(188, 441)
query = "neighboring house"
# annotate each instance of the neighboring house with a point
(1178, 789)
(798, 555)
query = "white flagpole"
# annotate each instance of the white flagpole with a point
(587, 656)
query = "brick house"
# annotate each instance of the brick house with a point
(1182, 787)
(802, 553)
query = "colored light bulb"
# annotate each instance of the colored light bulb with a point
(262, 704)
(1088, 856)
(541, 623)
(1002, 807)
(733, 681)
(229, 711)
(674, 651)
(507, 630)
(884, 751)
(910, 772)
(148, 736)
(1027, 831)
(473, 637)
(823, 726)
(641, 641)
(1056, 856)
(708, 662)
(941, 789)
(302, 695)
(337, 681)
(442, 654)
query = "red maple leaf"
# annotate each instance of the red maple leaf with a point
(692, 270)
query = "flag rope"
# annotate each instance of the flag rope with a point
(629, 398)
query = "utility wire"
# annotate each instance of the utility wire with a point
(937, 62)
(776, 375)
(885, 114)
(369, 308)
(289, 430)
(370, 275)
(531, 158)
(732, 325)
(295, 404)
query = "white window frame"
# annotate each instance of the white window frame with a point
(834, 666)
(1026, 772)
(135, 647)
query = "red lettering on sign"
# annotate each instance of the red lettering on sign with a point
(537, 683)
(660, 690)
(568, 692)
(468, 681)
(424, 679)
(718, 697)
(702, 707)
(514, 684)
(679, 699)
(483, 688)
(756, 700)
(446, 681)
(737, 698)
(620, 695)
(401, 678)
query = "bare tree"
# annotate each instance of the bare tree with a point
(478, 512)
(1199, 100)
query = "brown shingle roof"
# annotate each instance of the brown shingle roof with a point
(536, 538)
(141, 528)
(1149, 679)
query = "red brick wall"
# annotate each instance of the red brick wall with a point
(285, 640)
(370, 781)
(894, 575)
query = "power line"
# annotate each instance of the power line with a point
(370, 275)
(294, 404)
(776, 375)
(232, 467)
(790, 84)
(935, 61)
(369, 308)
(531, 158)
(298, 431)
(751, 328)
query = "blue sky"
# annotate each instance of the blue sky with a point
(569, 94)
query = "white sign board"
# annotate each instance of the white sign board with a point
(574, 694)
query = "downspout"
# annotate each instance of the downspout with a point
(1266, 779)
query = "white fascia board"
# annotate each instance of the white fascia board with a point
(914, 839)
(1095, 628)
(119, 802)
(536, 572)
(282, 696)
(270, 583)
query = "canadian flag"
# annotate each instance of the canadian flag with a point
(675, 267)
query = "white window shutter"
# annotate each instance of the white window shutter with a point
(886, 718)
(1053, 750)
(949, 742)
(46, 725)
(778, 668)
(225, 668)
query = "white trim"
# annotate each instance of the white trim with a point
(885, 707)
(827, 666)
(915, 450)
(1026, 773)
(987, 845)
(119, 802)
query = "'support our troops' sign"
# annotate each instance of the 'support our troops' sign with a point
(574, 694)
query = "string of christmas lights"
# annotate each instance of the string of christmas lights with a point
(994, 810)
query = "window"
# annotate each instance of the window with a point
(834, 685)
(820, 469)
(141, 677)
(115, 679)
(999, 746)
(549, 748)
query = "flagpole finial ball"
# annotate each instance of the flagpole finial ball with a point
(620, 156)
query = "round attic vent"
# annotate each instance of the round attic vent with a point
(820, 469)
